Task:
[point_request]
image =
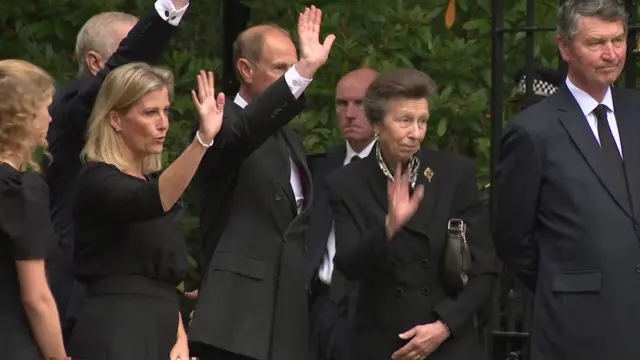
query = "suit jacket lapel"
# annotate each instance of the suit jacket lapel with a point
(376, 180)
(421, 220)
(335, 157)
(576, 125)
(283, 172)
(299, 158)
(629, 136)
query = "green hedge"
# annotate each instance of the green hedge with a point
(380, 34)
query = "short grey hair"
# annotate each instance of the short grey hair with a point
(96, 35)
(570, 13)
(396, 84)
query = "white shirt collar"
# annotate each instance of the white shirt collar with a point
(586, 102)
(240, 101)
(362, 154)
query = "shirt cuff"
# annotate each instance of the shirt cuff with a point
(168, 12)
(296, 82)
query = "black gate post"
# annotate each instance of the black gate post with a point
(630, 64)
(497, 85)
(235, 18)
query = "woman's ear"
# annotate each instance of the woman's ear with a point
(115, 120)
(376, 129)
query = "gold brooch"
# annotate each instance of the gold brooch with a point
(428, 173)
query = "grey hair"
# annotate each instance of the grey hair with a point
(570, 13)
(96, 35)
(394, 84)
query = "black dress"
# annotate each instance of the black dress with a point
(25, 234)
(131, 256)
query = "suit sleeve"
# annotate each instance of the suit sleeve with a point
(358, 252)
(456, 312)
(241, 134)
(518, 179)
(146, 42)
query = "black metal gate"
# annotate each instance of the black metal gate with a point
(510, 313)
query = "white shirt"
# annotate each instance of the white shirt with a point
(297, 84)
(169, 13)
(326, 267)
(588, 104)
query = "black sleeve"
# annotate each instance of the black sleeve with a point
(357, 252)
(246, 130)
(105, 191)
(24, 216)
(146, 42)
(456, 312)
(518, 179)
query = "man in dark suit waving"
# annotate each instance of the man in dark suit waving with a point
(568, 193)
(98, 53)
(332, 296)
(254, 192)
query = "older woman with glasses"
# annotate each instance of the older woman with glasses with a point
(393, 212)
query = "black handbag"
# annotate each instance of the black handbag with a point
(457, 257)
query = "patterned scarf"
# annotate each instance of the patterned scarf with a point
(414, 165)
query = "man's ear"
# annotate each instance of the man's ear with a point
(115, 120)
(245, 69)
(563, 48)
(94, 62)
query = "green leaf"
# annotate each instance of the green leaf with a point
(442, 127)
(474, 24)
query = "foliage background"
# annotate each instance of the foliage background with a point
(380, 34)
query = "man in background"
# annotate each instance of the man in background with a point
(545, 82)
(332, 297)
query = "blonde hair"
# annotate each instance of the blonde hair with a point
(123, 88)
(24, 89)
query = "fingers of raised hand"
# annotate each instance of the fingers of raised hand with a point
(210, 83)
(206, 85)
(220, 101)
(196, 102)
(201, 86)
(418, 194)
(316, 20)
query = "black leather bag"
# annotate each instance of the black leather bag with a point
(457, 257)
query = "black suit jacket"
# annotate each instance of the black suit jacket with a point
(400, 280)
(252, 300)
(320, 166)
(341, 292)
(565, 226)
(70, 113)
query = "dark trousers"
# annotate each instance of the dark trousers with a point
(330, 326)
(207, 352)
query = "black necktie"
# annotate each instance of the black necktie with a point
(354, 158)
(608, 144)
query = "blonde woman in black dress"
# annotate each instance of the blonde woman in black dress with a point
(129, 253)
(29, 321)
